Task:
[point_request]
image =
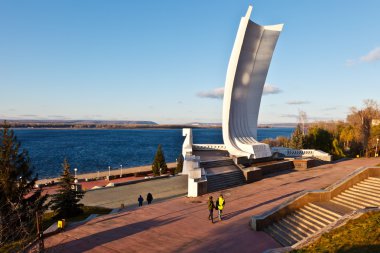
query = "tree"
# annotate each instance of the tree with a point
(65, 202)
(319, 138)
(361, 120)
(159, 162)
(19, 200)
(297, 138)
(179, 167)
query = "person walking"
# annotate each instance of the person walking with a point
(220, 205)
(140, 200)
(211, 206)
(149, 198)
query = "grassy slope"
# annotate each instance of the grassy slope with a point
(48, 218)
(357, 236)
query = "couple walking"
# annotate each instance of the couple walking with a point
(149, 199)
(219, 205)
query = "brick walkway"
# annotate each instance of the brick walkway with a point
(181, 225)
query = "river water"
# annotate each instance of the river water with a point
(91, 150)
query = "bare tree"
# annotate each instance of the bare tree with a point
(361, 120)
(302, 119)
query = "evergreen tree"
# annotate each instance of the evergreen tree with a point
(19, 200)
(65, 202)
(179, 167)
(297, 138)
(159, 162)
(319, 138)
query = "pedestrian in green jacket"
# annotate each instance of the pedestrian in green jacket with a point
(211, 207)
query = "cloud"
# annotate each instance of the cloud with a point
(218, 93)
(297, 102)
(289, 116)
(271, 89)
(30, 115)
(373, 55)
(215, 93)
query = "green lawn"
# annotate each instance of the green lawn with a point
(357, 236)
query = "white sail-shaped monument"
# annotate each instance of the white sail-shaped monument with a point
(246, 74)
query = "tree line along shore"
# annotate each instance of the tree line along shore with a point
(357, 136)
(103, 125)
(114, 172)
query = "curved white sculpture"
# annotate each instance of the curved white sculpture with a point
(246, 74)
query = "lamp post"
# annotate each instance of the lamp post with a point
(75, 175)
(377, 142)
(121, 170)
(109, 172)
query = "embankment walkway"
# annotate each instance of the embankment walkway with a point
(181, 225)
(105, 173)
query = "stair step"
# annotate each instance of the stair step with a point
(358, 202)
(324, 215)
(293, 229)
(303, 228)
(311, 217)
(374, 184)
(374, 179)
(343, 204)
(325, 210)
(369, 186)
(364, 188)
(317, 218)
(334, 207)
(365, 201)
(285, 232)
(278, 237)
(348, 202)
(364, 192)
(303, 222)
(363, 195)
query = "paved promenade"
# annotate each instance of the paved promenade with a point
(105, 173)
(113, 197)
(181, 225)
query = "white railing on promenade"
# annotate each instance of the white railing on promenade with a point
(201, 147)
(303, 153)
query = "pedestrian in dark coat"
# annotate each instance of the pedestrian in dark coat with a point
(140, 200)
(149, 198)
(211, 206)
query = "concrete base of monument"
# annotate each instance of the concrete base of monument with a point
(220, 171)
(258, 171)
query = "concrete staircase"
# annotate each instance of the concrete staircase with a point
(313, 217)
(222, 181)
(222, 174)
(364, 194)
(217, 163)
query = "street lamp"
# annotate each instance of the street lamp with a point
(121, 170)
(377, 142)
(75, 175)
(109, 172)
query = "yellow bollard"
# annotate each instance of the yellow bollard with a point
(61, 224)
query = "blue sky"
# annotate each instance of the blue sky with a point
(166, 60)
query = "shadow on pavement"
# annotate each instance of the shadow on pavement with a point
(228, 216)
(93, 240)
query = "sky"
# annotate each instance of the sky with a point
(166, 61)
